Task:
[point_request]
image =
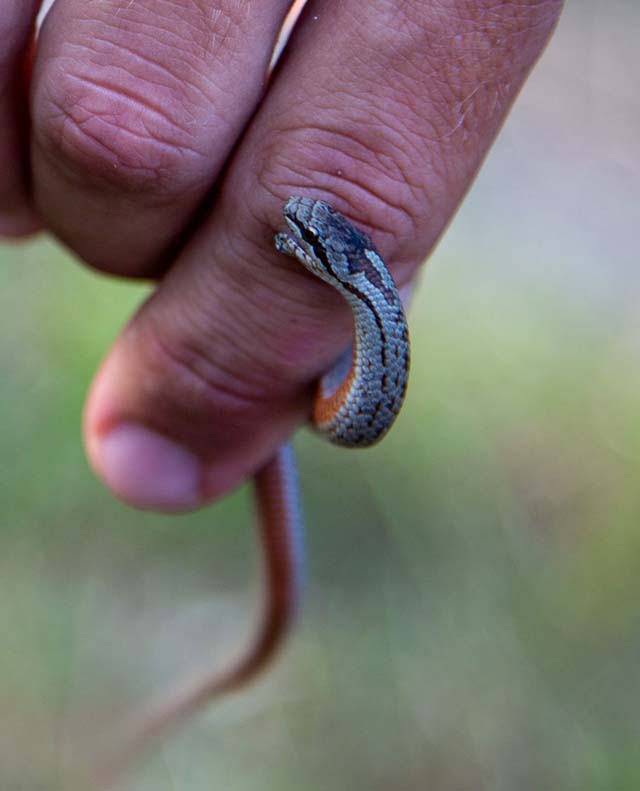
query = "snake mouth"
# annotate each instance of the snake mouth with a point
(299, 216)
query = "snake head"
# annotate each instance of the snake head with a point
(322, 239)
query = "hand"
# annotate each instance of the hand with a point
(155, 149)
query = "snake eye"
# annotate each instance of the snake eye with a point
(310, 234)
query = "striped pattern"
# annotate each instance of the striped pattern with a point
(359, 411)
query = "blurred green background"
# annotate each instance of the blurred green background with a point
(473, 613)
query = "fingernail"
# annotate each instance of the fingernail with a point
(149, 470)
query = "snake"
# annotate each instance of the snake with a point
(356, 403)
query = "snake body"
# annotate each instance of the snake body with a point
(356, 404)
(356, 409)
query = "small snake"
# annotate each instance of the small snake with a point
(356, 404)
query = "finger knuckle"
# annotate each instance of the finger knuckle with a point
(366, 172)
(188, 378)
(105, 127)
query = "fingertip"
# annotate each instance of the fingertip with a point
(147, 470)
(157, 447)
(143, 467)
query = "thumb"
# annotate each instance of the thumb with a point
(213, 373)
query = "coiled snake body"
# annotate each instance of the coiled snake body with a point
(356, 404)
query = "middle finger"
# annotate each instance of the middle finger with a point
(135, 109)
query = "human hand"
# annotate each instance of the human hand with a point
(157, 151)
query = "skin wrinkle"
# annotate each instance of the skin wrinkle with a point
(189, 362)
(527, 12)
(220, 30)
(402, 88)
(397, 245)
(162, 197)
(467, 109)
(145, 59)
(478, 36)
(470, 112)
(461, 105)
(199, 34)
(188, 116)
(191, 366)
(376, 159)
(325, 151)
(106, 40)
(195, 331)
(425, 37)
(283, 357)
(131, 161)
(116, 58)
(449, 94)
(198, 331)
(244, 276)
(169, 146)
(380, 55)
(147, 108)
(482, 36)
(175, 42)
(196, 391)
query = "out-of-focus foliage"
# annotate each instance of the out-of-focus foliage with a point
(472, 619)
